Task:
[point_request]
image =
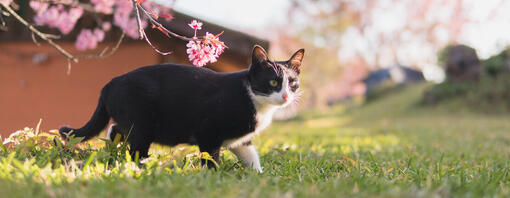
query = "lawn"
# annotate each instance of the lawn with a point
(390, 147)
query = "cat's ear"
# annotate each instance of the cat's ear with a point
(295, 60)
(259, 55)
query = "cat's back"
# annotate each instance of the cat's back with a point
(170, 79)
(173, 71)
(167, 76)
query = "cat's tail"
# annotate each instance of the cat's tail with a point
(94, 126)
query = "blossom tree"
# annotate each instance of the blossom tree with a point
(130, 16)
(383, 32)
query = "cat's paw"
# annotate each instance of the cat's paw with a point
(257, 168)
(64, 132)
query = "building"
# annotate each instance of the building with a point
(397, 75)
(34, 84)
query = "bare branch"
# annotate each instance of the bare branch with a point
(35, 39)
(141, 31)
(153, 47)
(68, 72)
(74, 3)
(2, 20)
(3, 25)
(138, 20)
(47, 37)
(153, 21)
(104, 53)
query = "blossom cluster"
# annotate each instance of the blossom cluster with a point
(64, 18)
(200, 52)
(103, 6)
(123, 20)
(56, 16)
(65, 14)
(88, 39)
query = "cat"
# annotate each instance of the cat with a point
(172, 104)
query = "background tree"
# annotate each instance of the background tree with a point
(130, 16)
(380, 33)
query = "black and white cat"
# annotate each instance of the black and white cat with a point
(172, 104)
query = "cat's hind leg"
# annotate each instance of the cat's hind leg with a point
(214, 152)
(139, 141)
(114, 131)
(248, 155)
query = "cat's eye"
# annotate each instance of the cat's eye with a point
(273, 83)
(293, 83)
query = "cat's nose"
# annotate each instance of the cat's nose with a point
(285, 97)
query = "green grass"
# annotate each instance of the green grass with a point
(390, 147)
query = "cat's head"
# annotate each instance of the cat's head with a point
(274, 82)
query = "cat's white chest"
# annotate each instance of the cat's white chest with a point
(264, 117)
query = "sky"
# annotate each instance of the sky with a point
(237, 14)
(488, 32)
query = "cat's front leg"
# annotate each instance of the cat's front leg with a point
(248, 155)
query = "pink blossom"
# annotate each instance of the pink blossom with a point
(196, 54)
(219, 46)
(127, 24)
(99, 34)
(196, 25)
(207, 50)
(103, 6)
(75, 13)
(48, 17)
(219, 50)
(122, 18)
(5, 2)
(123, 6)
(38, 6)
(106, 26)
(85, 40)
(88, 39)
(65, 26)
(56, 16)
(67, 20)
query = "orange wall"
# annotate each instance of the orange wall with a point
(31, 91)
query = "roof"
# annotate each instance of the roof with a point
(239, 44)
(398, 74)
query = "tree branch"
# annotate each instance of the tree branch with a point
(141, 31)
(138, 20)
(35, 39)
(2, 20)
(47, 37)
(74, 3)
(153, 21)
(104, 53)
(153, 47)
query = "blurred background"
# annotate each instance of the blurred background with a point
(357, 51)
